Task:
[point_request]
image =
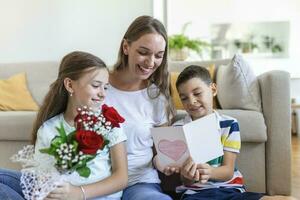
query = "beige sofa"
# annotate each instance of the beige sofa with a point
(265, 158)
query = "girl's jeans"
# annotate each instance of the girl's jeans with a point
(10, 188)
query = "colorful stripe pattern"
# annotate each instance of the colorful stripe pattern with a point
(230, 139)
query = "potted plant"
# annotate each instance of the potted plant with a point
(180, 45)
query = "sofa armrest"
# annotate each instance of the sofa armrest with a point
(275, 92)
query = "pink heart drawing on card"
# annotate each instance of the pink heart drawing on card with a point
(173, 149)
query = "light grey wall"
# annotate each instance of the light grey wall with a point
(39, 30)
(203, 13)
(295, 89)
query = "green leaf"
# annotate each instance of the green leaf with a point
(180, 41)
(106, 142)
(89, 157)
(71, 136)
(50, 151)
(75, 144)
(56, 142)
(45, 150)
(78, 165)
(62, 132)
(84, 171)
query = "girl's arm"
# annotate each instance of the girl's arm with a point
(116, 182)
(119, 178)
(222, 173)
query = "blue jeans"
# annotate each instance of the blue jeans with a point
(144, 191)
(222, 194)
(10, 188)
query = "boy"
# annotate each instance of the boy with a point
(217, 179)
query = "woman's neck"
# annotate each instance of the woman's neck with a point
(123, 80)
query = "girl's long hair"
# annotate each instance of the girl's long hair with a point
(72, 66)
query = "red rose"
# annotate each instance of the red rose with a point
(89, 141)
(112, 115)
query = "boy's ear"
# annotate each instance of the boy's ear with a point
(68, 85)
(125, 46)
(214, 89)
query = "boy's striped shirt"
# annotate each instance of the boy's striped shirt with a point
(231, 141)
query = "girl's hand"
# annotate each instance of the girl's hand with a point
(65, 191)
(189, 170)
(168, 170)
(205, 171)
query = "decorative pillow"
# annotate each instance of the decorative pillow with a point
(14, 94)
(175, 97)
(238, 86)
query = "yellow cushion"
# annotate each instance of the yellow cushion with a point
(175, 97)
(14, 94)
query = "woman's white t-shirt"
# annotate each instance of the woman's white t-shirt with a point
(141, 113)
(100, 166)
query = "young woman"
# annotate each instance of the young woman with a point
(139, 90)
(82, 81)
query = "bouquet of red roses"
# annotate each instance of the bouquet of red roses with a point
(72, 151)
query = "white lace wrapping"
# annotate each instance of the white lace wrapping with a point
(39, 177)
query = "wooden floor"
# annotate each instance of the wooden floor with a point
(296, 167)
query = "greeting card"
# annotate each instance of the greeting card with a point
(199, 139)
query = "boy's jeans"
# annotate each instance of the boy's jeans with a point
(144, 191)
(10, 188)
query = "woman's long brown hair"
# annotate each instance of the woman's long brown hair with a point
(161, 78)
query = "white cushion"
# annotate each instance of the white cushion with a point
(238, 86)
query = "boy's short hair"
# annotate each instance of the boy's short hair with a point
(194, 71)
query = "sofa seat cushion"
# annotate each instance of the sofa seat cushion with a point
(252, 124)
(16, 125)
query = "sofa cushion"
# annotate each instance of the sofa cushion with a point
(14, 94)
(252, 124)
(16, 125)
(39, 76)
(238, 78)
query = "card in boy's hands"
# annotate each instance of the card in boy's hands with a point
(199, 139)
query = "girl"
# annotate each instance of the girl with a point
(82, 80)
(139, 89)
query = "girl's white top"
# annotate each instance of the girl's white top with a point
(100, 166)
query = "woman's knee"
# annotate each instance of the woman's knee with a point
(144, 191)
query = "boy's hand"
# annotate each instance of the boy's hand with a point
(168, 170)
(189, 170)
(205, 171)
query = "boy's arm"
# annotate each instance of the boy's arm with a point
(222, 173)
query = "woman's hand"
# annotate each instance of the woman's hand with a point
(205, 171)
(168, 170)
(65, 191)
